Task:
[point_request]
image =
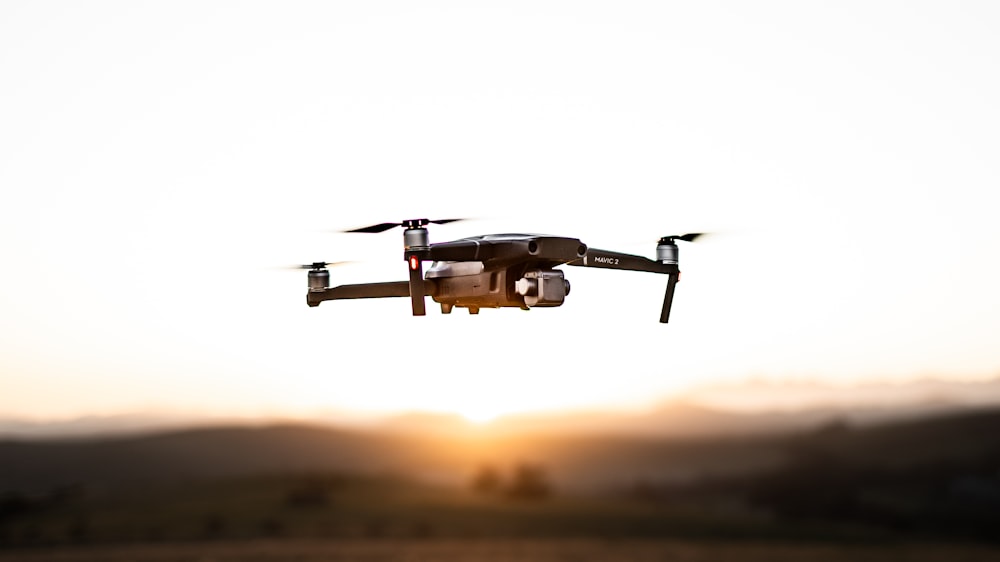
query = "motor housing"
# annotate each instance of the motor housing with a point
(667, 252)
(319, 279)
(415, 238)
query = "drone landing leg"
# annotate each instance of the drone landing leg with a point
(668, 298)
(416, 286)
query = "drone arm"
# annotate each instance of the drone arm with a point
(606, 259)
(367, 291)
(615, 260)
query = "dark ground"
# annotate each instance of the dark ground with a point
(507, 551)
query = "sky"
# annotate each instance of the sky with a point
(158, 160)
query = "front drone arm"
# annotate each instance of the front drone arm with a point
(366, 291)
(606, 259)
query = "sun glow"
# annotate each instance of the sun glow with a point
(479, 416)
(482, 412)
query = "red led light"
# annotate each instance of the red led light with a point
(414, 263)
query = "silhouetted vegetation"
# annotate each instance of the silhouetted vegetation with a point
(529, 482)
(487, 480)
(312, 491)
(525, 482)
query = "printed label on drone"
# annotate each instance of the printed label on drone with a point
(606, 259)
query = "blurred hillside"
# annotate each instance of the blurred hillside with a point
(933, 477)
(743, 408)
(580, 460)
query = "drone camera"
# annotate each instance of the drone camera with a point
(542, 287)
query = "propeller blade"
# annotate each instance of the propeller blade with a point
(690, 237)
(376, 227)
(382, 227)
(314, 265)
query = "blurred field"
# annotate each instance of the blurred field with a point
(506, 551)
(332, 506)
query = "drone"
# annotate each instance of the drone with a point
(492, 270)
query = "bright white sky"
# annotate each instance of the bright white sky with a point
(157, 158)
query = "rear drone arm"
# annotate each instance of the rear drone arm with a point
(366, 291)
(606, 259)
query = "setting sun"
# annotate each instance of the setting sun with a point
(479, 416)
(486, 408)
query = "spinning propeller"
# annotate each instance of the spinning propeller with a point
(319, 275)
(318, 265)
(413, 223)
(689, 237)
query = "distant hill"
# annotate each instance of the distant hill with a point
(870, 400)
(933, 477)
(575, 461)
(681, 419)
(711, 411)
(194, 454)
